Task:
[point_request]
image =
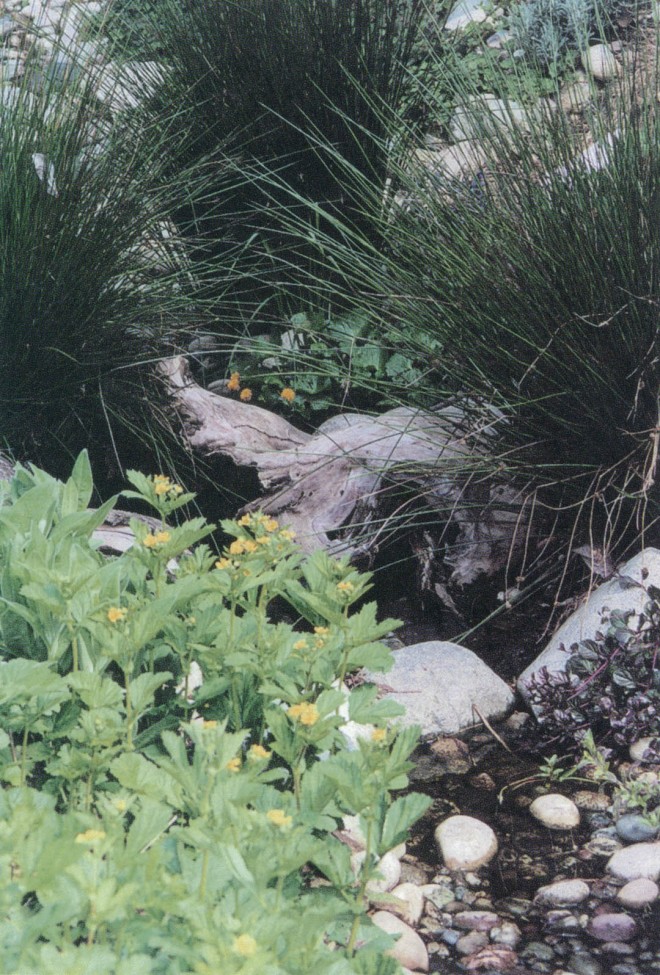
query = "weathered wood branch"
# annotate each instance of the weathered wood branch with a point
(329, 486)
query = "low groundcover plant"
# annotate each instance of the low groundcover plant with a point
(148, 825)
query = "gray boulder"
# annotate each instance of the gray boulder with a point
(441, 684)
(616, 593)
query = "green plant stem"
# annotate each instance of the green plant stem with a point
(366, 870)
(24, 756)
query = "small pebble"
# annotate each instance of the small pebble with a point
(465, 843)
(639, 860)
(582, 963)
(468, 943)
(638, 750)
(638, 893)
(556, 811)
(475, 920)
(591, 801)
(612, 927)
(562, 892)
(633, 828)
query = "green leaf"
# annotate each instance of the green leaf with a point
(138, 774)
(143, 688)
(400, 816)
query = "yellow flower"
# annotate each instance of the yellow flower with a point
(161, 479)
(305, 713)
(300, 645)
(271, 524)
(245, 395)
(234, 764)
(234, 382)
(90, 835)
(245, 945)
(262, 540)
(152, 541)
(258, 752)
(249, 545)
(279, 818)
(237, 547)
(222, 564)
(162, 487)
(120, 805)
(209, 725)
(288, 394)
(321, 630)
(288, 534)
(378, 735)
(345, 586)
(245, 520)
(116, 615)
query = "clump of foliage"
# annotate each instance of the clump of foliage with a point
(610, 690)
(330, 363)
(546, 29)
(325, 70)
(153, 823)
(94, 282)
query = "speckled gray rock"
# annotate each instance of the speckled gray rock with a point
(409, 950)
(638, 749)
(556, 811)
(600, 62)
(465, 12)
(633, 828)
(638, 893)
(480, 113)
(612, 927)
(424, 680)
(584, 623)
(465, 843)
(639, 860)
(475, 920)
(562, 893)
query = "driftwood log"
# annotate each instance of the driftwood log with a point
(332, 487)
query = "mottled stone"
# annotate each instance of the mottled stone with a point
(410, 951)
(591, 801)
(633, 828)
(638, 893)
(638, 749)
(452, 756)
(465, 843)
(600, 62)
(468, 943)
(556, 811)
(612, 927)
(639, 860)
(475, 920)
(493, 958)
(562, 892)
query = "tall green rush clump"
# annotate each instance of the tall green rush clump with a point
(93, 282)
(529, 281)
(258, 83)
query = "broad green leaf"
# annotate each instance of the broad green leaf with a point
(400, 816)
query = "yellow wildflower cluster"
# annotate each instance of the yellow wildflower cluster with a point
(154, 539)
(258, 521)
(234, 765)
(163, 485)
(279, 818)
(234, 382)
(244, 945)
(90, 835)
(258, 753)
(116, 615)
(241, 545)
(305, 713)
(288, 394)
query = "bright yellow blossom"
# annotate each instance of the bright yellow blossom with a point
(245, 945)
(345, 586)
(258, 752)
(116, 615)
(249, 545)
(321, 630)
(288, 534)
(90, 835)
(209, 725)
(245, 395)
(378, 735)
(288, 394)
(305, 713)
(162, 487)
(271, 524)
(262, 540)
(234, 382)
(279, 818)
(222, 564)
(234, 764)
(245, 520)
(237, 547)
(153, 540)
(300, 645)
